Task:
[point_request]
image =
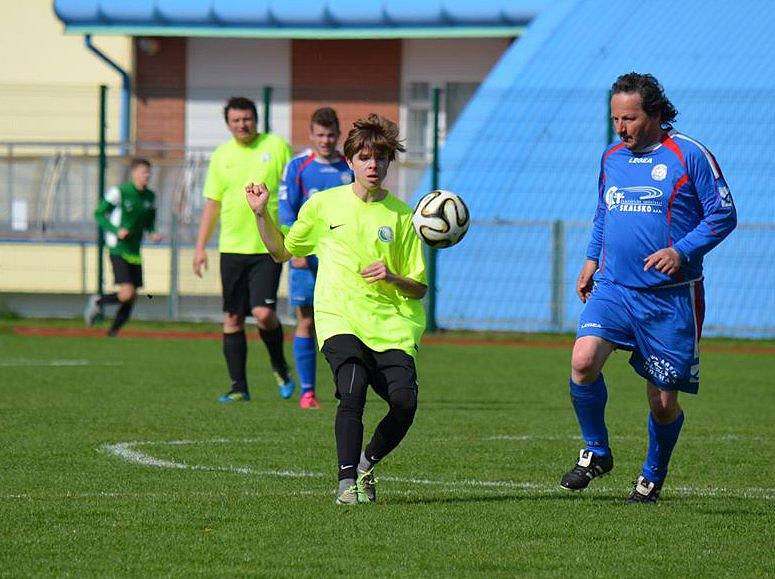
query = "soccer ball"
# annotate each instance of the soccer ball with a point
(441, 219)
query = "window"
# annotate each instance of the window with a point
(419, 106)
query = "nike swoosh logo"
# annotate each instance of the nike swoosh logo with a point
(335, 226)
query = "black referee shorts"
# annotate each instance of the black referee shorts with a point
(125, 272)
(249, 281)
(388, 371)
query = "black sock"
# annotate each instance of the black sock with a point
(108, 299)
(351, 385)
(273, 339)
(235, 350)
(392, 429)
(122, 316)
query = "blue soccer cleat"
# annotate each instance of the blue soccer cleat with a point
(235, 396)
(285, 385)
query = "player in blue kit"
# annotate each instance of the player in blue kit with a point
(318, 168)
(663, 204)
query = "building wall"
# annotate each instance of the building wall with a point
(160, 89)
(461, 59)
(218, 68)
(48, 81)
(356, 77)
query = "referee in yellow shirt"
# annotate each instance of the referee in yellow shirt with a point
(249, 275)
(368, 313)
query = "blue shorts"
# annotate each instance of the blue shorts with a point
(302, 283)
(661, 327)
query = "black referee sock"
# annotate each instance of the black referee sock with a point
(235, 350)
(108, 299)
(273, 339)
(122, 316)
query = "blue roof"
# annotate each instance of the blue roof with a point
(528, 145)
(230, 16)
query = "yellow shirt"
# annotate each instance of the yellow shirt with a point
(348, 234)
(233, 166)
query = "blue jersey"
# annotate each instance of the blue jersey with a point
(672, 195)
(305, 175)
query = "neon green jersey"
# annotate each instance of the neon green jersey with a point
(233, 166)
(348, 234)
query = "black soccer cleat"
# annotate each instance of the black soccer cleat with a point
(589, 466)
(644, 491)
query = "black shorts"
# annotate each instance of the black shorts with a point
(249, 281)
(125, 272)
(388, 371)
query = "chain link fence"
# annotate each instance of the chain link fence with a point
(515, 270)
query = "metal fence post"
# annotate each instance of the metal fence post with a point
(267, 108)
(558, 274)
(101, 184)
(173, 303)
(430, 252)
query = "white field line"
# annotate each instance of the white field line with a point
(127, 451)
(685, 438)
(31, 363)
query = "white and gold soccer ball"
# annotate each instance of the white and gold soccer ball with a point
(441, 219)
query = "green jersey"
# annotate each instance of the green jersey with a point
(233, 166)
(348, 234)
(126, 207)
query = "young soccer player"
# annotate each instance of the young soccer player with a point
(368, 314)
(316, 169)
(125, 214)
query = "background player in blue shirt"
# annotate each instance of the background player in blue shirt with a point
(318, 168)
(663, 204)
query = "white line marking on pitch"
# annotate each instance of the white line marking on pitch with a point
(685, 438)
(127, 451)
(30, 363)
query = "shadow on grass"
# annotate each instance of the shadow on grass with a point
(515, 496)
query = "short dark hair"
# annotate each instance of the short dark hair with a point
(239, 104)
(373, 133)
(137, 162)
(325, 117)
(652, 96)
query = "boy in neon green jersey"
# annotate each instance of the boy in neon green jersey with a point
(368, 314)
(125, 214)
(249, 275)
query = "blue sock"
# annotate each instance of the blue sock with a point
(589, 402)
(662, 439)
(306, 358)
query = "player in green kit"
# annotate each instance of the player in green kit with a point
(249, 275)
(125, 214)
(368, 314)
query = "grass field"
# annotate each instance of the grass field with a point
(117, 461)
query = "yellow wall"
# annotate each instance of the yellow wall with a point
(48, 81)
(70, 268)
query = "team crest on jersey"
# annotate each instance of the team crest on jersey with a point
(385, 233)
(659, 172)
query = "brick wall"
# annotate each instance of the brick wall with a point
(356, 77)
(160, 90)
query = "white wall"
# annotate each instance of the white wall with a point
(218, 68)
(450, 59)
